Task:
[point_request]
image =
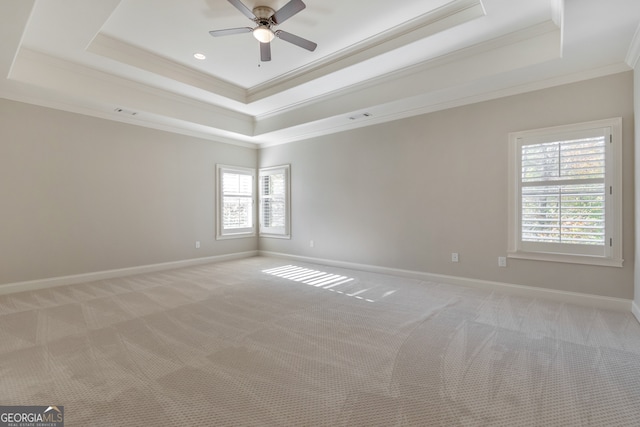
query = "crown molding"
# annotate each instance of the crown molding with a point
(125, 53)
(19, 92)
(12, 33)
(440, 19)
(633, 53)
(429, 103)
(541, 41)
(448, 16)
(79, 81)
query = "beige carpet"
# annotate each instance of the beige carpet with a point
(255, 343)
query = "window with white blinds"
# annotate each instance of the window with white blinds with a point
(235, 201)
(274, 203)
(564, 201)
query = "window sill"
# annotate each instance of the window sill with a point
(276, 236)
(235, 236)
(566, 258)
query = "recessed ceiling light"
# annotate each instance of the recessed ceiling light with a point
(199, 56)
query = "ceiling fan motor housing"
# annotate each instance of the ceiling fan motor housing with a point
(263, 13)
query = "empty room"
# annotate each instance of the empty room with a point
(319, 213)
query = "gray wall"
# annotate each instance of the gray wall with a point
(80, 194)
(406, 194)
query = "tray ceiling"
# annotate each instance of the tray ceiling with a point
(133, 60)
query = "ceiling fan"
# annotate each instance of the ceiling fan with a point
(266, 18)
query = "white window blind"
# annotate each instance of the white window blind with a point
(235, 201)
(562, 202)
(274, 201)
(563, 191)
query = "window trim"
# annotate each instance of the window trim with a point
(221, 234)
(266, 231)
(612, 256)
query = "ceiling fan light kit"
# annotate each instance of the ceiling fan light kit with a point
(265, 19)
(263, 34)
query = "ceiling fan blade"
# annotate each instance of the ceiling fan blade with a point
(242, 8)
(265, 52)
(287, 11)
(230, 31)
(298, 41)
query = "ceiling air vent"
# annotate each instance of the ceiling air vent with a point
(127, 112)
(360, 116)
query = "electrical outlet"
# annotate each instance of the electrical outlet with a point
(454, 257)
(502, 261)
(197, 244)
(311, 243)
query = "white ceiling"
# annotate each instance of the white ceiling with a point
(388, 59)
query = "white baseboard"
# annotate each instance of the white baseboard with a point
(608, 303)
(635, 310)
(33, 285)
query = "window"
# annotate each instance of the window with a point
(274, 202)
(235, 202)
(564, 198)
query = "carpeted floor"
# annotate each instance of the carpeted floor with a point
(259, 342)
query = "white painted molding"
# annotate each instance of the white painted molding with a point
(118, 50)
(33, 285)
(635, 310)
(418, 106)
(557, 16)
(633, 54)
(453, 13)
(541, 41)
(608, 303)
(27, 95)
(442, 18)
(557, 12)
(597, 301)
(83, 82)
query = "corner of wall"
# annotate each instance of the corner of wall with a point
(635, 309)
(636, 113)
